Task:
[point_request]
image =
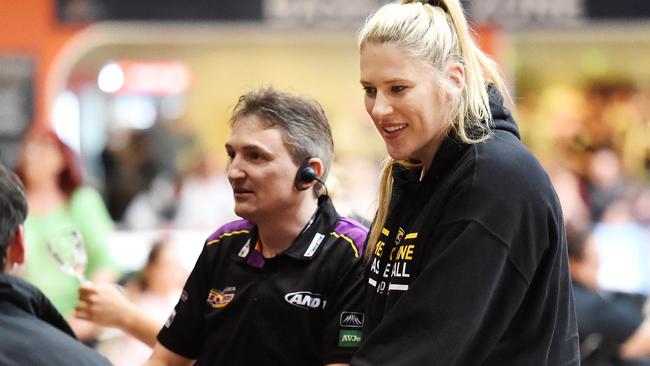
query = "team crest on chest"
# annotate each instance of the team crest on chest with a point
(399, 236)
(218, 299)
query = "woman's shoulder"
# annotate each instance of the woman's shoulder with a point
(505, 163)
(85, 193)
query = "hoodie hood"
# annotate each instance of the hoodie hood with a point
(501, 116)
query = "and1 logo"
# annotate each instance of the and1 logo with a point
(349, 338)
(305, 300)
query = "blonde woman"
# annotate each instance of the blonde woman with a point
(466, 259)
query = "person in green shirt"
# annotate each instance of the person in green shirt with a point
(58, 201)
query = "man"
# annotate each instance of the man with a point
(279, 287)
(612, 330)
(32, 332)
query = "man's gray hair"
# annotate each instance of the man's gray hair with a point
(304, 125)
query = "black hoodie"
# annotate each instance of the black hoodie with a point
(32, 332)
(471, 266)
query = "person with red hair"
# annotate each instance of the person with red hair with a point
(58, 200)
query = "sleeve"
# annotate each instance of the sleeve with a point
(95, 225)
(184, 329)
(457, 308)
(344, 315)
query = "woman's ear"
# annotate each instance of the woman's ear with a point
(456, 74)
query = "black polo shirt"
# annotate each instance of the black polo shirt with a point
(301, 307)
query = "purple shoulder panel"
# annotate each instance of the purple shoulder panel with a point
(353, 230)
(231, 227)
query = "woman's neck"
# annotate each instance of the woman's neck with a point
(43, 198)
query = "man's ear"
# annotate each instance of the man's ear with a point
(318, 165)
(16, 250)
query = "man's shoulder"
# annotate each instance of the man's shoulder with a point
(232, 229)
(54, 346)
(18, 291)
(351, 234)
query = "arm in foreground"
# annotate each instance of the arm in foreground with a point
(106, 305)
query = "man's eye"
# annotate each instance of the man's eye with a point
(397, 88)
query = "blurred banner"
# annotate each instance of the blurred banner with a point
(551, 13)
(517, 13)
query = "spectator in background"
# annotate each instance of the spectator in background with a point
(606, 181)
(612, 331)
(32, 331)
(57, 200)
(155, 290)
(205, 197)
(624, 246)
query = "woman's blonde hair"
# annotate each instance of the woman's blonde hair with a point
(437, 33)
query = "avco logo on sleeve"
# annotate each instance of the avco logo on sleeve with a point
(349, 338)
(351, 319)
(305, 300)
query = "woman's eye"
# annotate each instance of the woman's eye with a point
(370, 91)
(397, 89)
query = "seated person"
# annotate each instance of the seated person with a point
(612, 331)
(32, 331)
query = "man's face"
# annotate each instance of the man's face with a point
(261, 171)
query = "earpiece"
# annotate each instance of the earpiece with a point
(306, 174)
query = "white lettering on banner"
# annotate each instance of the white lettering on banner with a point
(372, 282)
(527, 12)
(316, 11)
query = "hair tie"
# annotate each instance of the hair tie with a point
(435, 3)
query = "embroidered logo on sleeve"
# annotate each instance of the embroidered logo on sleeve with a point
(218, 299)
(349, 338)
(351, 319)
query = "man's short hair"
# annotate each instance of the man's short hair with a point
(304, 125)
(13, 209)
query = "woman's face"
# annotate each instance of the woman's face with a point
(403, 99)
(42, 160)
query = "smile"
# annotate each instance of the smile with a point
(391, 129)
